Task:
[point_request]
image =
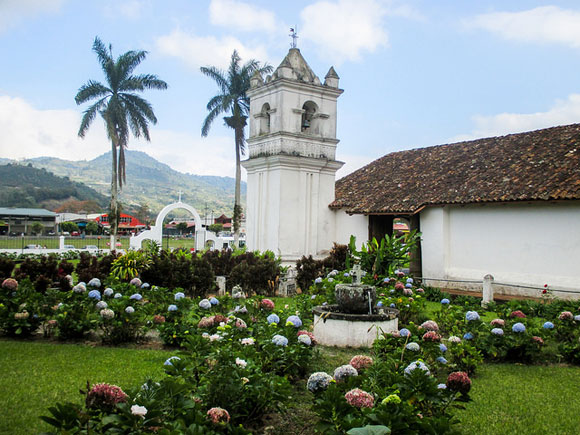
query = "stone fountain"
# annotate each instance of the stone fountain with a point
(354, 321)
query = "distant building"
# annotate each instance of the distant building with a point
(17, 221)
(225, 221)
(127, 224)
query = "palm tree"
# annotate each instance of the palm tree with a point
(232, 100)
(121, 109)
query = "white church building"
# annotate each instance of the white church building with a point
(506, 206)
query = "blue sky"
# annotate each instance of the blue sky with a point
(415, 73)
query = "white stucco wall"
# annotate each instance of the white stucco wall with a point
(351, 225)
(523, 244)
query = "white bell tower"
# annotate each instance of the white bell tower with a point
(291, 165)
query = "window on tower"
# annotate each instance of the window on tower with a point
(308, 117)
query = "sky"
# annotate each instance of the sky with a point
(415, 73)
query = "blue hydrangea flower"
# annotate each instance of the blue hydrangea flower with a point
(129, 310)
(172, 307)
(417, 365)
(330, 279)
(318, 381)
(441, 360)
(318, 280)
(273, 318)
(548, 325)
(445, 301)
(136, 297)
(346, 274)
(108, 292)
(118, 295)
(386, 280)
(279, 340)
(404, 332)
(324, 304)
(409, 280)
(441, 386)
(577, 317)
(294, 321)
(95, 294)
(392, 290)
(392, 305)
(468, 336)
(409, 285)
(442, 348)
(414, 347)
(497, 331)
(145, 285)
(305, 339)
(518, 327)
(214, 301)
(168, 361)
(343, 372)
(333, 273)
(101, 305)
(179, 295)
(379, 304)
(205, 304)
(95, 282)
(471, 316)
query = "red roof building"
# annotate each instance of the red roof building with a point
(127, 223)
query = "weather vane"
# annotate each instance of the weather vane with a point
(294, 35)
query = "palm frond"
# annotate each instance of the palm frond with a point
(211, 116)
(141, 82)
(89, 116)
(217, 75)
(139, 104)
(90, 91)
(128, 61)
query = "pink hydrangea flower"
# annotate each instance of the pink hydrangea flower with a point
(459, 381)
(431, 336)
(538, 340)
(206, 322)
(498, 323)
(359, 398)
(267, 304)
(158, 319)
(399, 286)
(361, 362)
(10, 284)
(310, 334)
(430, 325)
(105, 396)
(218, 415)
(519, 314)
(566, 315)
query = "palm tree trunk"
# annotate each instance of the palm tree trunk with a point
(113, 212)
(239, 133)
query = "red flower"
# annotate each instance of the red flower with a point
(518, 313)
(105, 396)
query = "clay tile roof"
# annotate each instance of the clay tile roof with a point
(537, 165)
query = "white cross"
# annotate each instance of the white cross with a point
(179, 196)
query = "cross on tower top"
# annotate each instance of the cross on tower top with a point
(180, 192)
(294, 35)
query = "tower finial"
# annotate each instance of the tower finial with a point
(294, 35)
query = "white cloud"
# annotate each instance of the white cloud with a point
(563, 112)
(543, 24)
(184, 152)
(14, 11)
(28, 132)
(344, 29)
(198, 51)
(243, 16)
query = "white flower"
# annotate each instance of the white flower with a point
(129, 310)
(247, 341)
(215, 337)
(241, 362)
(139, 411)
(454, 339)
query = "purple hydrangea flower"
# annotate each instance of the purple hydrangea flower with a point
(214, 301)
(95, 294)
(417, 365)
(136, 297)
(172, 307)
(294, 321)
(471, 316)
(404, 332)
(273, 318)
(518, 327)
(497, 331)
(279, 340)
(445, 301)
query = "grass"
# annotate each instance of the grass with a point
(80, 243)
(518, 399)
(507, 398)
(35, 375)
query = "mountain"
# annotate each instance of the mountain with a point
(26, 186)
(149, 182)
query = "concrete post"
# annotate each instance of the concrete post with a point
(487, 290)
(61, 243)
(221, 284)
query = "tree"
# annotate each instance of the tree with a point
(69, 227)
(92, 227)
(232, 100)
(121, 108)
(216, 228)
(181, 227)
(37, 228)
(144, 213)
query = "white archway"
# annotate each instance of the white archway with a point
(156, 231)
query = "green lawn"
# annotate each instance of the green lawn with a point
(35, 375)
(80, 243)
(507, 398)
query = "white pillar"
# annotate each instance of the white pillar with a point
(61, 243)
(487, 290)
(221, 284)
